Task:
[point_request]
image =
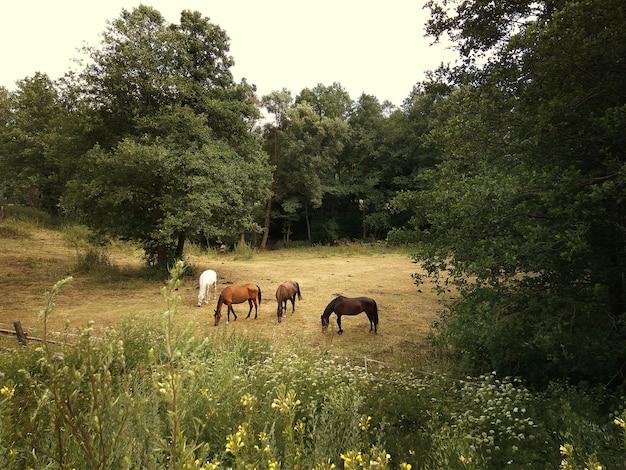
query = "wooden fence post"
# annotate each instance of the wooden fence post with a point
(21, 336)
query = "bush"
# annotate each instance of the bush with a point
(244, 251)
(29, 215)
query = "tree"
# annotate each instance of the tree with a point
(525, 213)
(311, 147)
(174, 155)
(33, 143)
(278, 104)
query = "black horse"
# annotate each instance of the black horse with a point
(351, 306)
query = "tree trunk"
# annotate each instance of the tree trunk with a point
(242, 237)
(180, 246)
(161, 255)
(266, 225)
(308, 222)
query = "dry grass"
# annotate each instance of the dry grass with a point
(33, 260)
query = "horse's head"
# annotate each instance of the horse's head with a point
(217, 315)
(325, 322)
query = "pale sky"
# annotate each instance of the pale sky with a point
(373, 47)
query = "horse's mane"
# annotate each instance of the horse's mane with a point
(220, 302)
(330, 307)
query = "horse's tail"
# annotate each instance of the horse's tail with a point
(375, 313)
(259, 294)
(298, 289)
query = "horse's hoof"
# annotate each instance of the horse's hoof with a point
(227, 322)
(340, 332)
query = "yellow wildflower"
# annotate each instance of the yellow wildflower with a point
(364, 422)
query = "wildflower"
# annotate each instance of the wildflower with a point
(273, 465)
(286, 403)
(325, 465)
(464, 459)
(567, 449)
(351, 458)
(364, 422)
(236, 441)
(299, 428)
(6, 391)
(620, 422)
(405, 466)
(248, 400)
(210, 466)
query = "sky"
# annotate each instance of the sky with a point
(373, 47)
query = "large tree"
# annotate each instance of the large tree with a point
(174, 155)
(525, 214)
(33, 147)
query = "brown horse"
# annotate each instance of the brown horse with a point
(287, 291)
(351, 306)
(238, 295)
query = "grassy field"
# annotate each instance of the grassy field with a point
(32, 259)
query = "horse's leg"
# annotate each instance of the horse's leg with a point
(249, 311)
(293, 303)
(339, 323)
(256, 309)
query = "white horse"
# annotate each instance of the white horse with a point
(207, 279)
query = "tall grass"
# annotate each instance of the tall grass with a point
(28, 215)
(152, 395)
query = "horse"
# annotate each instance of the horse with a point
(238, 295)
(207, 279)
(341, 305)
(287, 291)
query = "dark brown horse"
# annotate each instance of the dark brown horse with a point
(238, 295)
(287, 291)
(341, 305)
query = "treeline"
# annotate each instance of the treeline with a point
(506, 170)
(154, 141)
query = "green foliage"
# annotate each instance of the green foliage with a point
(522, 216)
(172, 157)
(28, 215)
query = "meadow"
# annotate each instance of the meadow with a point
(32, 263)
(141, 378)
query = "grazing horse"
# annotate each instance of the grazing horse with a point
(351, 306)
(238, 295)
(207, 279)
(287, 291)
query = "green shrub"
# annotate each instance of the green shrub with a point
(28, 215)
(97, 262)
(244, 251)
